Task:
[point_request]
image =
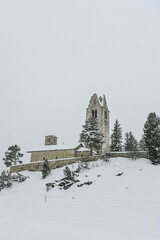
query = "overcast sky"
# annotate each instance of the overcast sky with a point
(54, 55)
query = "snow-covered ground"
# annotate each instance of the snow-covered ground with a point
(125, 207)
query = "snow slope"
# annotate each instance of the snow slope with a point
(114, 207)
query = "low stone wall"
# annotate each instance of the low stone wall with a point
(139, 154)
(37, 166)
(82, 154)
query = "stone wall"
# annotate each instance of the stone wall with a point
(139, 154)
(83, 153)
(37, 166)
(52, 154)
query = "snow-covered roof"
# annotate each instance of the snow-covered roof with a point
(52, 147)
(83, 149)
(59, 147)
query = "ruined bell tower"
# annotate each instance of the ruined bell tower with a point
(98, 108)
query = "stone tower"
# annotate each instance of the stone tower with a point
(98, 108)
(50, 140)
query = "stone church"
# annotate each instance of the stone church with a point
(97, 108)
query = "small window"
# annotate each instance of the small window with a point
(92, 113)
(105, 115)
(95, 114)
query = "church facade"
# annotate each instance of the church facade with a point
(97, 108)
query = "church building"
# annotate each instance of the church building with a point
(97, 108)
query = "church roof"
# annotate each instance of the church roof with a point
(57, 148)
(50, 148)
(83, 149)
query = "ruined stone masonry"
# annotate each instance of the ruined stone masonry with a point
(98, 108)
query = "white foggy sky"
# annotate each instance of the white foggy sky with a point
(55, 54)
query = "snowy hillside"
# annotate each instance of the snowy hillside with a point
(125, 207)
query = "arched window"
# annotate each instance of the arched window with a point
(94, 113)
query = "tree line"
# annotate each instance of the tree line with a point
(150, 140)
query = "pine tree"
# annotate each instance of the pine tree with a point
(131, 144)
(12, 156)
(142, 144)
(90, 135)
(116, 138)
(152, 137)
(45, 169)
(69, 175)
(5, 180)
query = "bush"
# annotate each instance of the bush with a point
(69, 175)
(45, 169)
(6, 179)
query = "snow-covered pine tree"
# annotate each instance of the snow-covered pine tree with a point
(69, 175)
(152, 137)
(116, 138)
(91, 136)
(5, 180)
(12, 156)
(45, 169)
(130, 143)
(142, 144)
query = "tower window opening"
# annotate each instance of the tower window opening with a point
(95, 114)
(105, 115)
